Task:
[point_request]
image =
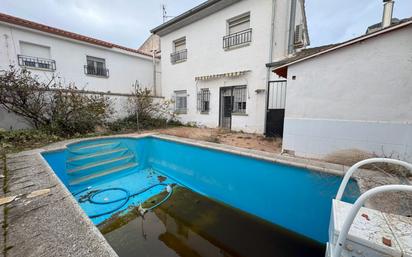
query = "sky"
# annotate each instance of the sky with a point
(128, 22)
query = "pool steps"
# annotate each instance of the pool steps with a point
(92, 161)
(97, 154)
(98, 164)
(102, 173)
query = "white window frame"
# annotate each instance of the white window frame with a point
(240, 96)
(236, 21)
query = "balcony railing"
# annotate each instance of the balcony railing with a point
(95, 71)
(238, 38)
(178, 56)
(34, 62)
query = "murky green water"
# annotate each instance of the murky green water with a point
(191, 225)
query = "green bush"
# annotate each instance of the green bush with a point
(51, 106)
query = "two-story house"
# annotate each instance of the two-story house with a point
(88, 62)
(214, 56)
(91, 64)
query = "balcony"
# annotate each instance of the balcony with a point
(237, 39)
(95, 71)
(37, 63)
(179, 56)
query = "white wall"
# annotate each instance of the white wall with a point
(206, 56)
(355, 97)
(70, 56)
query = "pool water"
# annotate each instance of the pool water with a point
(291, 198)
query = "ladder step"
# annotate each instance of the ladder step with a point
(100, 163)
(78, 181)
(96, 154)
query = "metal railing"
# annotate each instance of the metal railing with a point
(35, 62)
(336, 250)
(238, 38)
(178, 56)
(95, 71)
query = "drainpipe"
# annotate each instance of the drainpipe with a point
(387, 13)
(292, 26)
(270, 58)
(154, 70)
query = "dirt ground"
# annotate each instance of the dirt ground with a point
(239, 139)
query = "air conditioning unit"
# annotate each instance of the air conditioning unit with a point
(298, 39)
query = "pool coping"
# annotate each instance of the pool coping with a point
(89, 231)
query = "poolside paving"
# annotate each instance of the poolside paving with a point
(46, 222)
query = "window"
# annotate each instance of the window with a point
(179, 51)
(239, 99)
(239, 24)
(35, 56)
(298, 37)
(96, 67)
(181, 101)
(238, 31)
(203, 100)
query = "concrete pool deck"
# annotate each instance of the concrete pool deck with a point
(45, 220)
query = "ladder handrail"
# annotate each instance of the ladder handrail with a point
(337, 250)
(357, 165)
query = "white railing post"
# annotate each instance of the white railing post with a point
(356, 166)
(337, 249)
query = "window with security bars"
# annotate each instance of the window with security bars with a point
(203, 100)
(239, 99)
(181, 102)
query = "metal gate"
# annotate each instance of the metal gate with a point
(226, 107)
(275, 113)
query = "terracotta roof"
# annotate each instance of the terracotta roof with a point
(63, 33)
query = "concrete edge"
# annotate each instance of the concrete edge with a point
(93, 229)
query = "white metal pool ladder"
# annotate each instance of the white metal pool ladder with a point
(334, 249)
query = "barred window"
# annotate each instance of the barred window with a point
(203, 100)
(181, 101)
(239, 99)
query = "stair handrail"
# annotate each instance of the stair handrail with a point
(337, 249)
(357, 165)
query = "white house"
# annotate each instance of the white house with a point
(355, 95)
(89, 63)
(214, 56)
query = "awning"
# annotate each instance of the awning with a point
(222, 75)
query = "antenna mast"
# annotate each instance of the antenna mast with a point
(165, 16)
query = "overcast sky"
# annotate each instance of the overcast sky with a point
(127, 22)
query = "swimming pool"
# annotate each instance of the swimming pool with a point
(295, 198)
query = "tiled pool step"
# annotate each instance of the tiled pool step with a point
(98, 154)
(89, 148)
(84, 179)
(96, 165)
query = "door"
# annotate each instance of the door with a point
(275, 113)
(226, 107)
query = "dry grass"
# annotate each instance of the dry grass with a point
(239, 139)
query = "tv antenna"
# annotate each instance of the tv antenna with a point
(165, 16)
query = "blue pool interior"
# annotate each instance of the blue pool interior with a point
(295, 198)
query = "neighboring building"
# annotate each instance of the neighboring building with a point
(214, 56)
(355, 95)
(89, 63)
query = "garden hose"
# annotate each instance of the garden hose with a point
(90, 197)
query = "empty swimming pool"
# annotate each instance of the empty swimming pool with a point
(296, 199)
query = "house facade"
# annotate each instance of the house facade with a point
(355, 95)
(213, 59)
(91, 64)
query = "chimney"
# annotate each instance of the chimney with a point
(387, 13)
